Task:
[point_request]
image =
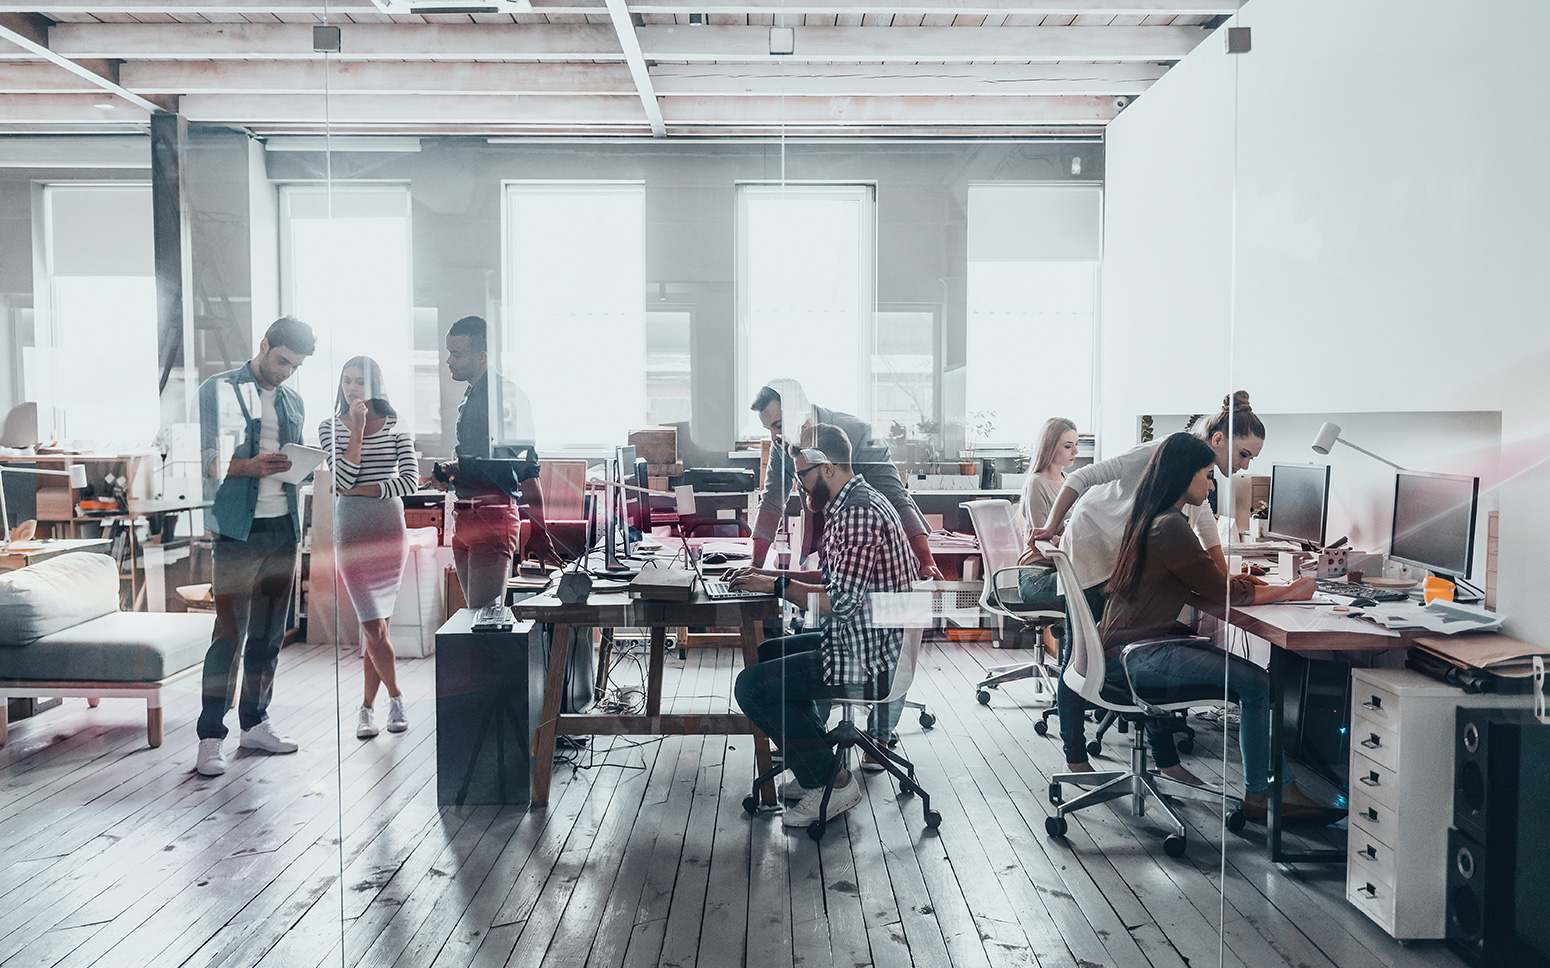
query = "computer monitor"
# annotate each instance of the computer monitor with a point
(1434, 521)
(1299, 502)
(625, 501)
(21, 495)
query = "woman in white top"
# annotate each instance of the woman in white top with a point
(1092, 509)
(374, 467)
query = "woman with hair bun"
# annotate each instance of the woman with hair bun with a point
(1098, 499)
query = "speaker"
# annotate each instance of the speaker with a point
(1470, 901)
(1485, 774)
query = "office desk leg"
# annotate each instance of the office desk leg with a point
(752, 634)
(543, 740)
(654, 670)
(1277, 854)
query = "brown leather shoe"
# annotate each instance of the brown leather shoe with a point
(1256, 810)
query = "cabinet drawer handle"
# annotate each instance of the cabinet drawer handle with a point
(1372, 741)
(1371, 813)
(1371, 853)
(1368, 890)
(1371, 779)
(1376, 704)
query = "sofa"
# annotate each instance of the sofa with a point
(62, 634)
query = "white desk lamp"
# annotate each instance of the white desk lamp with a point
(1329, 436)
(76, 473)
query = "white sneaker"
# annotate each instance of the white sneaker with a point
(806, 811)
(364, 727)
(793, 789)
(211, 761)
(263, 737)
(397, 721)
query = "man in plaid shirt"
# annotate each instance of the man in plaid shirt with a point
(863, 550)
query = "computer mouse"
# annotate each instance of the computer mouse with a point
(1363, 603)
(714, 558)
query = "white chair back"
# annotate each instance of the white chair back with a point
(1085, 672)
(1001, 544)
(912, 612)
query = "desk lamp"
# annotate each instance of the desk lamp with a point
(576, 585)
(1329, 435)
(76, 473)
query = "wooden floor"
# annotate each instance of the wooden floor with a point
(117, 854)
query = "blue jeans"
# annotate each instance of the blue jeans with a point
(1157, 668)
(808, 641)
(782, 696)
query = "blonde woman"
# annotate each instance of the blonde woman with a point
(1046, 476)
(374, 466)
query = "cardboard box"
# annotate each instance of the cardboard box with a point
(675, 469)
(1248, 492)
(657, 483)
(658, 445)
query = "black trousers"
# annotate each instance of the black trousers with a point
(252, 591)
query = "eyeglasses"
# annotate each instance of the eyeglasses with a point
(802, 473)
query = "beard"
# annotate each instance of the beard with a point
(819, 495)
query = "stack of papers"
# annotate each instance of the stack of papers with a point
(1497, 654)
(1443, 618)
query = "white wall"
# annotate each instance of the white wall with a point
(1391, 234)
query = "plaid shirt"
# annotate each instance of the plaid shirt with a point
(864, 550)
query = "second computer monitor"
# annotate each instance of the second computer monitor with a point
(1299, 502)
(1434, 521)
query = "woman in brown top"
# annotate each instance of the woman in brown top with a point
(1162, 568)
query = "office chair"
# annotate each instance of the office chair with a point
(1085, 674)
(845, 735)
(1001, 544)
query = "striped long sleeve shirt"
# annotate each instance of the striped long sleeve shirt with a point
(388, 459)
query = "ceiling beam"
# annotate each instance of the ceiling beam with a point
(1034, 8)
(41, 77)
(69, 109)
(426, 110)
(900, 80)
(374, 77)
(624, 27)
(30, 33)
(417, 42)
(444, 42)
(875, 111)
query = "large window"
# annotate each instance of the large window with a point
(574, 335)
(1033, 275)
(347, 271)
(96, 325)
(904, 371)
(806, 284)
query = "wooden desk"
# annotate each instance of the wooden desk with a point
(25, 553)
(1303, 628)
(618, 610)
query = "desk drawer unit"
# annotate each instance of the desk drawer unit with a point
(1402, 796)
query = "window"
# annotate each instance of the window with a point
(346, 270)
(1033, 278)
(806, 283)
(574, 332)
(667, 367)
(903, 371)
(96, 320)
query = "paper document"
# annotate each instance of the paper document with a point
(1445, 618)
(304, 460)
(1305, 618)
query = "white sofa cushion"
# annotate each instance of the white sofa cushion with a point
(56, 594)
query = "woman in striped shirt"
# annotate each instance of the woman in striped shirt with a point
(374, 466)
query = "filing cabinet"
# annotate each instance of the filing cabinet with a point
(1401, 802)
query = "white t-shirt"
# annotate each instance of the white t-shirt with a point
(1097, 524)
(271, 493)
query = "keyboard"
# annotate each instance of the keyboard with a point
(493, 618)
(720, 589)
(1334, 586)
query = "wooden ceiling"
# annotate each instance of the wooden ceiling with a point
(617, 68)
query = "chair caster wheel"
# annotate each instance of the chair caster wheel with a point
(927, 720)
(1094, 748)
(1055, 796)
(1236, 821)
(815, 830)
(933, 819)
(1041, 728)
(983, 696)
(1186, 745)
(751, 805)
(1055, 826)
(1175, 846)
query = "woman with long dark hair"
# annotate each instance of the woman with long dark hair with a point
(1162, 568)
(374, 466)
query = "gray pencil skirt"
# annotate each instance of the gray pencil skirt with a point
(372, 547)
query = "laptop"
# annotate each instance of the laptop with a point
(718, 590)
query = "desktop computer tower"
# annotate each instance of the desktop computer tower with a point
(1498, 904)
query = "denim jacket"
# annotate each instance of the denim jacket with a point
(229, 406)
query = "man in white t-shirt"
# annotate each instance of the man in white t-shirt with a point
(256, 520)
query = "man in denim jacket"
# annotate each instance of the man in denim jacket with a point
(256, 521)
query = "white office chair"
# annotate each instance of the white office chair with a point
(1085, 675)
(912, 611)
(1001, 544)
